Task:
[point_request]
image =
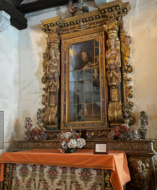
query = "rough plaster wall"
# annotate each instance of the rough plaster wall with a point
(9, 85)
(140, 24)
(32, 44)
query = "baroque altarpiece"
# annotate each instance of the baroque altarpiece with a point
(85, 72)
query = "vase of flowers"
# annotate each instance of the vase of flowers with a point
(144, 122)
(37, 133)
(70, 141)
(126, 110)
(121, 132)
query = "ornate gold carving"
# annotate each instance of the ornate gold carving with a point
(127, 68)
(113, 55)
(64, 82)
(7, 176)
(113, 70)
(93, 19)
(97, 134)
(137, 145)
(115, 112)
(108, 17)
(114, 95)
(107, 176)
(51, 68)
(140, 173)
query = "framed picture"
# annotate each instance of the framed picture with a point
(100, 148)
(83, 92)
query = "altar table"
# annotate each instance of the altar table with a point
(115, 161)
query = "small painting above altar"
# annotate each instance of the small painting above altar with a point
(84, 82)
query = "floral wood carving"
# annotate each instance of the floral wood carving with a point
(113, 65)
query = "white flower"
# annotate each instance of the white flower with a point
(72, 143)
(64, 144)
(66, 135)
(80, 142)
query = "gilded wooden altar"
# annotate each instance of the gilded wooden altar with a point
(108, 63)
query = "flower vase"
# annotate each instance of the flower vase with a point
(142, 132)
(126, 121)
(73, 150)
(144, 122)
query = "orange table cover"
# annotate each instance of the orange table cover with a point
(115, 161)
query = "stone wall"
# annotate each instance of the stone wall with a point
(140, 24)
(9, 85)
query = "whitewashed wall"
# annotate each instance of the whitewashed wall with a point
(140, 23)
(9, 84)
(32, 44)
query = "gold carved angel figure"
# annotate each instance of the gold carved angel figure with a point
(113, 63)
(45, 61)
(125, 47)
(112, 55)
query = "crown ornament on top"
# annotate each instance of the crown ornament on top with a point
(80, 9)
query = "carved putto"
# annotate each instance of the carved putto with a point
(113, 62)
(140, 173)
(81, 8)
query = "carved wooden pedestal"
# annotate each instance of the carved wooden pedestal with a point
(140, 158)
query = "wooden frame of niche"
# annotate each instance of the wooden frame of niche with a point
(108, 20)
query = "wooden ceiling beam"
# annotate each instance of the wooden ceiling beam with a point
(17, 19)
(41, 4)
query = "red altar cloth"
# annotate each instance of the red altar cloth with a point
(115, 161)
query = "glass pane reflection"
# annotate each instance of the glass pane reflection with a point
(88, 118)
(72, 87)
(84, 82)
(96, 96)
(80, 97)
(96, 51)
(80, 86)
(80, 118)
(96, 108)
(88, 97)
(72, 119)
(88, 74)
(88, 109)
(73, 76)
(80, 109)
(71, 66)
(72, 98)
(72, 110)
(80, 75)
(96, 84)
(88, 85)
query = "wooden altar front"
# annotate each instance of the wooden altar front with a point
(80, 170)
(139, 154)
